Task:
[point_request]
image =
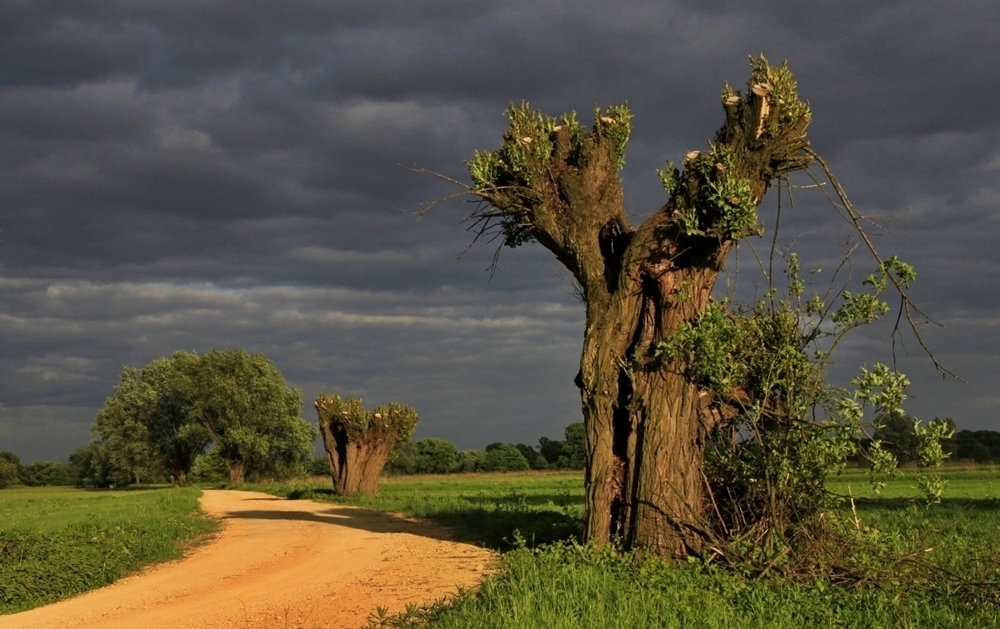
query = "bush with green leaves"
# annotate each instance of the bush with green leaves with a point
(504, 457)
(435, 456)
(789, 430)
(9, 469)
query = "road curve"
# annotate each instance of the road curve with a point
(279, 564)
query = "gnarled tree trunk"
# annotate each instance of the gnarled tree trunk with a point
(358, 443)
(646, 419)
(237, 471)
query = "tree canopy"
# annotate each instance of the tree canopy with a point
(251, 415)
(162, 416)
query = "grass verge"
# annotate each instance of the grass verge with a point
(57, 542)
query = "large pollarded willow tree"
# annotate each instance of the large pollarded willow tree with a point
(647, 419)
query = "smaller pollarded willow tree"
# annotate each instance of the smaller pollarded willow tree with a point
(358, 443)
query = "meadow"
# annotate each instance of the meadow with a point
(546, 581)
(56, 541)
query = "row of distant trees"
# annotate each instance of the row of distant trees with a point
(229, 416)
(37, 474)
(981, 446)
(433, 455)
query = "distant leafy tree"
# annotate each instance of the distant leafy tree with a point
(122, 428)
(93, 466)
(977, 452)
(402, 461)
(551, 450)
(146, 426)
(574, 454)
(897, 436)
(504, 457)
(471, 461)
(436, 456)
(9, 464)
(568, 454)
(174, 435)
(981, 446)
(209, 468)
(162, 416)
(531, 455)
(249, 412)
(47, 474)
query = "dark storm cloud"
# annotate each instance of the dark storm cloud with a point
(196, 174)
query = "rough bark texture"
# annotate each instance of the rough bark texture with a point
(237, 471)
(358, 443)
(646, 421)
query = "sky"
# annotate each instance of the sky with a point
(187, 175)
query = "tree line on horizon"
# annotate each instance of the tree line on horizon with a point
(229, 416)
(433, 455)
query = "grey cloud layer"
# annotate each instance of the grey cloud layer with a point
(154, 155)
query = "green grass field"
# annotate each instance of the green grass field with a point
(547, 585)
(56, 542)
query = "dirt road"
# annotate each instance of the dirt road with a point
(277, 564)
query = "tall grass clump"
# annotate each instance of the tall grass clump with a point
(57, 543)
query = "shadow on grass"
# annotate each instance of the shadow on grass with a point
(493, 522)
(128, 488)
(946, 504)
(351, 517)
(534, 500)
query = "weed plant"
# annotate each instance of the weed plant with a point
(57, 542)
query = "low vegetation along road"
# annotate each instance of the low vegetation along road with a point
(280, 563)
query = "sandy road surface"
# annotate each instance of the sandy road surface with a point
(279, 563)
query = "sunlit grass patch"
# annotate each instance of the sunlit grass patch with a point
(57, 542)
